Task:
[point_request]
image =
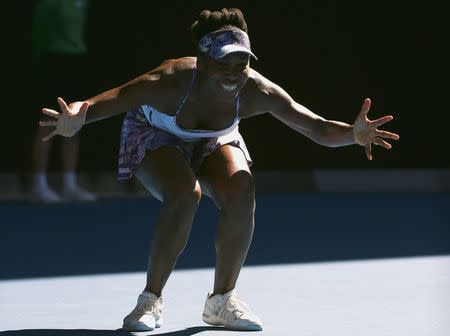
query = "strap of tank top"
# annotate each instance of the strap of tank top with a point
(238, 105)
(194, 74)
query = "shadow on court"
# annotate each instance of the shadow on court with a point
(113, 235)
(86, 332)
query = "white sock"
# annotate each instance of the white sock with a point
(69, 180)
(40, 181)
(148, 294)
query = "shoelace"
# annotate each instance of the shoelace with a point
(149, 307)
(235, 306)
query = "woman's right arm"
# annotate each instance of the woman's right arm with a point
(123, 98)
(137, 92)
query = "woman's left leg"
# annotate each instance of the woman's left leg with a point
(226, 178)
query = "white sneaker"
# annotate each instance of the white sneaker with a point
(45, 195)
(77, 194)
(230, 311)
(147, 315)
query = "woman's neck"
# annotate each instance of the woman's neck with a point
(204, 92)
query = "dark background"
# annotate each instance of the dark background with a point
(328, 55)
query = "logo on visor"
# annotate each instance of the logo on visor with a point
(213, 43)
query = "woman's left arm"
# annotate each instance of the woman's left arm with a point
(331, 133)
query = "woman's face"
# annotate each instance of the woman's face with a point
(226, 76)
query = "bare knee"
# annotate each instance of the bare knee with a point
(182, 198)
(237, 197)
(179, 207)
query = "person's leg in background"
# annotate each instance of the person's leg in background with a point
(40, 189)
(52, 86)
(41, 151)
(71, 191)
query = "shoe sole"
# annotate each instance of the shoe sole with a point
(137, 327)
(140, 327)
(217, 321)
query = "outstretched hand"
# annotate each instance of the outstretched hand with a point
(365, 131)
(68, 122)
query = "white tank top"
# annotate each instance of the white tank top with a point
(169, 123)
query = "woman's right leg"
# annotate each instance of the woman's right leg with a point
(166, 173)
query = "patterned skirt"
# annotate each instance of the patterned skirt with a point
(138, 136)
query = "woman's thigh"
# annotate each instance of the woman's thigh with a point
(166, 172)
(225, 172)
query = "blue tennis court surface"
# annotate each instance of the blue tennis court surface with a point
(320, 264)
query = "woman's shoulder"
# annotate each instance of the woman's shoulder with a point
(258, 83)
(177, 70)
(171, 80)
(256, 86)
(259, 94)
